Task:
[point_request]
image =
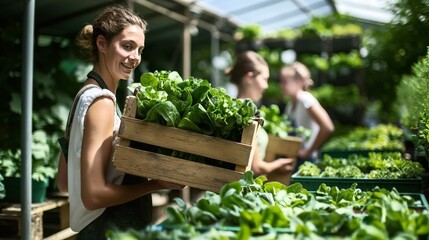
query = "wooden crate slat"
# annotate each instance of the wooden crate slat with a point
(162, 167)
(249, 136)
(186, 141)
(289, 146)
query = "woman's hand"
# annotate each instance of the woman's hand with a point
(285, 165)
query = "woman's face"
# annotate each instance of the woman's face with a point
(289, 85)
(124, 52)
(258, 82)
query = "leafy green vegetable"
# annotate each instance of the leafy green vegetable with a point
(279, 125)
(308, 169)
(375, 166)
(253, 208)
(381, 137)
(191, 104)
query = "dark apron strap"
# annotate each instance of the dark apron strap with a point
(103, 85)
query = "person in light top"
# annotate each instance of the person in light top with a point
(304, 109)
(101, 197)
(250, 73)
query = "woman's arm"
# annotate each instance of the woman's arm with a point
(95, 156)
(319, 114)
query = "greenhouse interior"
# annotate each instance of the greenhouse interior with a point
(235, 119)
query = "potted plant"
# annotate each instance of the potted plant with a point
(249, 37)
(283, 39)
(43, 168)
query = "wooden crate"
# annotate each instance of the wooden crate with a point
(158, 166)
(282, 147)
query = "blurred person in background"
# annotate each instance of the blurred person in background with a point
(250, 74)
(304, 110)
(102, 197)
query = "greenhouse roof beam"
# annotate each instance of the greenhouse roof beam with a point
(290, 14)
(253, 7)
(183, 19)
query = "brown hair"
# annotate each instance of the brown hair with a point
(299, 72)
(247, 61)
(110, 22)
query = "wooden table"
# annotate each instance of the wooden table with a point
(12, 211)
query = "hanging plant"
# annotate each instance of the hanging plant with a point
(347, 29)
(248, 32)
(346, 60)
(315, 61)
(286, 34)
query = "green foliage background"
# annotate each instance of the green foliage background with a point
(392, 50)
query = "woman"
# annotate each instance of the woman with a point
(250, 73)
(304, 109)
(101, 197)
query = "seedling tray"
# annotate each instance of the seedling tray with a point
(347, 153)
(402, 185)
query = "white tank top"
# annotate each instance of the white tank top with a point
(80, 217)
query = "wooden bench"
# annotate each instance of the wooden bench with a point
(12, 211)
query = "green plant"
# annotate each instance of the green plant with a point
(278, 124)
(346, 29)
(381, 137)
(331, 26)
(315, 61)
(253, 208)
(43, 156)
(332, 96)
(392, 51)
(192, 104)
(415, 102)
(248, 32)
(287, 34)
(315, 28)
(272, 56)
(422, 134)
(375, 166)
(351, 60)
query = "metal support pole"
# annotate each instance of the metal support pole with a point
(26, 125)
(187, 49)
(130, 80)
(186, 58)
(215, 53)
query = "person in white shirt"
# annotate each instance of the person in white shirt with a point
(100, 196)
(304, 109)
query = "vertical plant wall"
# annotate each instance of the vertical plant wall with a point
(54, 85)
